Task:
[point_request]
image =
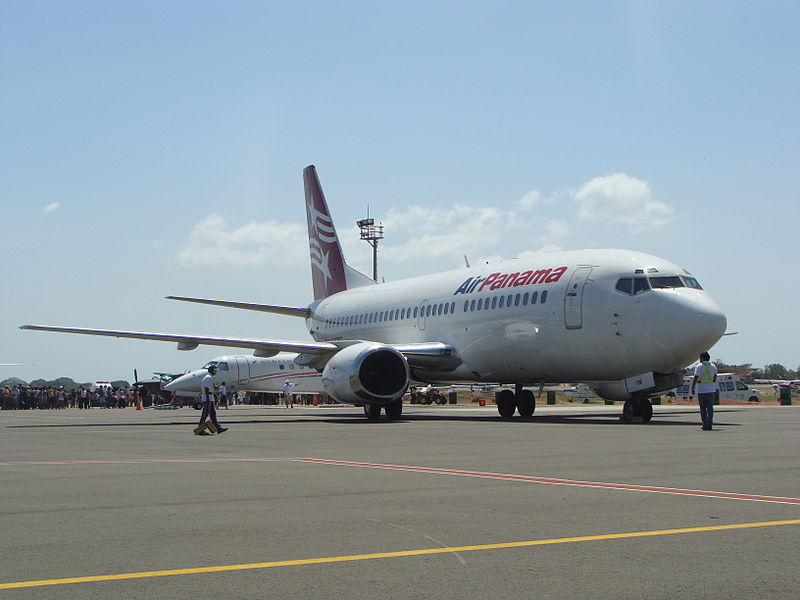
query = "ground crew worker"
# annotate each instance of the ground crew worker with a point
(208, 400)
(288, 397)
(705, 380)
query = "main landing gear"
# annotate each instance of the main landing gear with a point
(521, 400)
(638, 407)
(394, 410)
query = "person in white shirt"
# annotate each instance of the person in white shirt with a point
(208, 400)
(288, 397)
(705, 380)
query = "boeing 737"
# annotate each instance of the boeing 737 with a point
(624, 321)
(252, 374)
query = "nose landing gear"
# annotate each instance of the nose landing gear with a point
(638, 407)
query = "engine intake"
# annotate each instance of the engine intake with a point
(366, 373)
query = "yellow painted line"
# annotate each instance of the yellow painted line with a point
(397, 554)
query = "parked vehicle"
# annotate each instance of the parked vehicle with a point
(730, 387)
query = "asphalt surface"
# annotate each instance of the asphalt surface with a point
(135, 498)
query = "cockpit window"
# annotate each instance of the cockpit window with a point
(660, 283)
(222, 366)
(640, 285)
(625, 285)
(632, 285)
(691, 282)
(208, 364)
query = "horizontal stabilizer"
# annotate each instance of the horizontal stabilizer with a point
(280, 310)
(189, 342)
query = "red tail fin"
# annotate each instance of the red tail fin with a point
(327, 262)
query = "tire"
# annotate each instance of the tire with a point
(372, 411)
(752, 399)
(506, 404)
(394, 410)
(646, 410)
(628, 411)
(526, 404)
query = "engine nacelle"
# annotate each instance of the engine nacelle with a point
(618, 390)
(366, 373)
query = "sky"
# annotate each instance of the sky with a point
(152, 148)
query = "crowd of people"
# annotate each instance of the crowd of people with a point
(25, 397)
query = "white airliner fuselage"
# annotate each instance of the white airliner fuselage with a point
(252, 374)
(574, 326)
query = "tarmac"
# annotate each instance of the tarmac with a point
(449, 502)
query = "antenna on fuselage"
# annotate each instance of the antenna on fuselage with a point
(371, 233)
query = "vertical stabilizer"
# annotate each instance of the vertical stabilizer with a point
(327, 263)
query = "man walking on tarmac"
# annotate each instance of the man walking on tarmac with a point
(705, 379)
(207, 397)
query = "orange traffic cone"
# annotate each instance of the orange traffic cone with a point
(138, 402)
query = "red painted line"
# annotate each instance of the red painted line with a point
(434, 471)
(556, 481)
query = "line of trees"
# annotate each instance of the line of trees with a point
(748, 372)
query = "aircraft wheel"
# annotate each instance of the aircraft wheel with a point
(526, 403)
(394, 410)
(628, 411)
(646, 410)
(372, 411)
(506, 404)
(441, 399)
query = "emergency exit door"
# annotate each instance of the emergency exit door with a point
(573, 303)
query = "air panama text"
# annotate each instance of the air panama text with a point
(496, 281)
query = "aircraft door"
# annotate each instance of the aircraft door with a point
(573, 302)
(244, 370)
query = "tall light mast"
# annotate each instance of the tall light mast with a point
(371, 233)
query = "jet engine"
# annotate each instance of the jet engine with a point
(366, 373)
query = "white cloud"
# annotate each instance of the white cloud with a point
(530, 200)
(620, 198)
(213, 242)
(49, 209)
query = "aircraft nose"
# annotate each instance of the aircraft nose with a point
(190, 382)
(698, 323)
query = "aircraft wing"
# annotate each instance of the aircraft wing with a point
(264, 348)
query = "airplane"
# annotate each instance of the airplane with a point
(253, 374)
(624, 321)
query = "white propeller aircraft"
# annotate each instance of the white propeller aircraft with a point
(253, 374)
(624, 321)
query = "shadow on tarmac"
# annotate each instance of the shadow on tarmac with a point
(659, 420)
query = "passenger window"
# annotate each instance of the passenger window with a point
(494, 302)
(640, 285)
(502, 301)
(544, 296)
(480, 303)
(509, 299)
(472, 305)
(415, 312)
(525, 299)
(516, 300)
(466, 305)
(446, 308)
(452, 307)
(428, 310)
(625, 285)
(534, 295)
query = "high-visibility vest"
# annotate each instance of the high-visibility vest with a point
(707, 377)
